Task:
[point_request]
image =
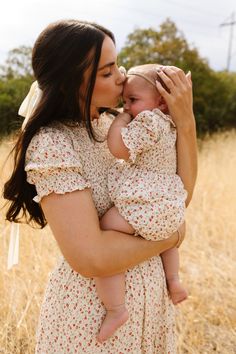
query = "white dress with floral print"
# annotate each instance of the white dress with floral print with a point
(146, 189)
(61, 159)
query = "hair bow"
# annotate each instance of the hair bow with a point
(26, 109)
(30, 102)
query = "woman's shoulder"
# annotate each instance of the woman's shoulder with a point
(56, 134)
(54, 142)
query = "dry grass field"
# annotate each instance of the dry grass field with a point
(206, 322)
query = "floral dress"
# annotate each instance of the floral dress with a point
(61, 158)
(146, 189)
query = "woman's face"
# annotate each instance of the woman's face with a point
(109, 81)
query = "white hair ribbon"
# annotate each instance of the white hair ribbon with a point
(30, 102)
(26, 109)
(13, 252)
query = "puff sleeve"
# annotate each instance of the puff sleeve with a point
(143, 132)
(53, 164)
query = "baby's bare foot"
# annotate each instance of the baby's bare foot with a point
(177, 292)
(114, 319)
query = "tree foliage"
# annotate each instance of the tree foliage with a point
(15, 79)
(166, 46)
(12, 93)
(18, 63)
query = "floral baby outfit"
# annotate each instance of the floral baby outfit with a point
(146, 189)
(61, 158)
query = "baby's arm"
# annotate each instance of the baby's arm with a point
(114, 138)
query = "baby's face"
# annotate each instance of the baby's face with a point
(138, 96)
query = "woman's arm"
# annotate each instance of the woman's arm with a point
(114, 138)
(180, 105)
(89, 250)
(187, 158)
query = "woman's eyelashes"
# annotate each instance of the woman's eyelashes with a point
(107, 74)
(109, 71)
(112, 70)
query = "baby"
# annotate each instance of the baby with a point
(148, 195)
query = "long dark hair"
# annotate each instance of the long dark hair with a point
(61, 55)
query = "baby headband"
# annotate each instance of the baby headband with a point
(137, 73)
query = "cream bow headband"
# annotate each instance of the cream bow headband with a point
(138, 73)
(145, 77)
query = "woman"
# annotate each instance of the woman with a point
(61, 164)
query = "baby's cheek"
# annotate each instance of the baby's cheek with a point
(136, 109)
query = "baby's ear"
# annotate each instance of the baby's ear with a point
(162, 105)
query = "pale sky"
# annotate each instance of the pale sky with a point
(21, 21)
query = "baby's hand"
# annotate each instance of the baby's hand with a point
(124, 117)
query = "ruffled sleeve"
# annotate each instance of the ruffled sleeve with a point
(53, 164)
(143, 132)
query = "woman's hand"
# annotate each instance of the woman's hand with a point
(179, 98)
(181, 233)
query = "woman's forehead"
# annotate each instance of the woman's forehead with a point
(108, 53)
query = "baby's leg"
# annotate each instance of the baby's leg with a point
(170, 259)
(112, 220)
(111, 290)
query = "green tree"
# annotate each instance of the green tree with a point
(15, 79)
(12, 93)
(166, 46)
(18, 63)
(229, 103)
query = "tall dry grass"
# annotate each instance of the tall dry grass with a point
(206, 322)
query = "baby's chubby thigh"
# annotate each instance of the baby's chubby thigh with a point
(159, 220)
(154, 220)
(112, 220)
